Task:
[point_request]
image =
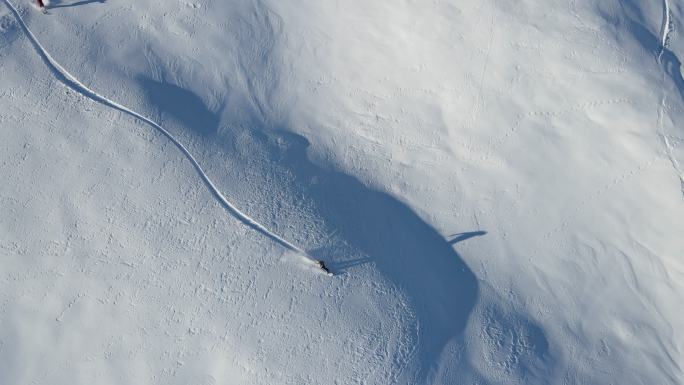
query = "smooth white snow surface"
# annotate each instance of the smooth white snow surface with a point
(498, 187)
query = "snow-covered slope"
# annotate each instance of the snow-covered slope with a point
(497, 186)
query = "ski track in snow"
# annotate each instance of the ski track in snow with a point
(72, 82)
(665, 30)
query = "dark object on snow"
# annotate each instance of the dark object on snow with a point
(321, 265)
(41, 4)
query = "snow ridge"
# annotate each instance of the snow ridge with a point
(72, 82)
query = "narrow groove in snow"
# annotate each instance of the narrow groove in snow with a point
(72, 82)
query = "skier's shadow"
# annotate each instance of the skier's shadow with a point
(460, 237)
(59, 4)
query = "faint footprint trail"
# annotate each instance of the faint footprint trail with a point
(666, 30)
(72, 82)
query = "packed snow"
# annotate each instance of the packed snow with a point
(497, 188)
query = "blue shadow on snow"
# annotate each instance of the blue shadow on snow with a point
(58, 3)
(405, 249)
(634, 21)
(183, 105)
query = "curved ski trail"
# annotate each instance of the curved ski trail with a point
(666, 29)
(72, 82)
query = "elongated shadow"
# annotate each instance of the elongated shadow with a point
(182, 105)
(410, 253)
(59, 4)
(465, 236)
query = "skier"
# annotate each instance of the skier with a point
(322, 266)
(41, 5)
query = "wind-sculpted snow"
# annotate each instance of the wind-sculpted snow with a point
(492, 183)
(70, 81)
